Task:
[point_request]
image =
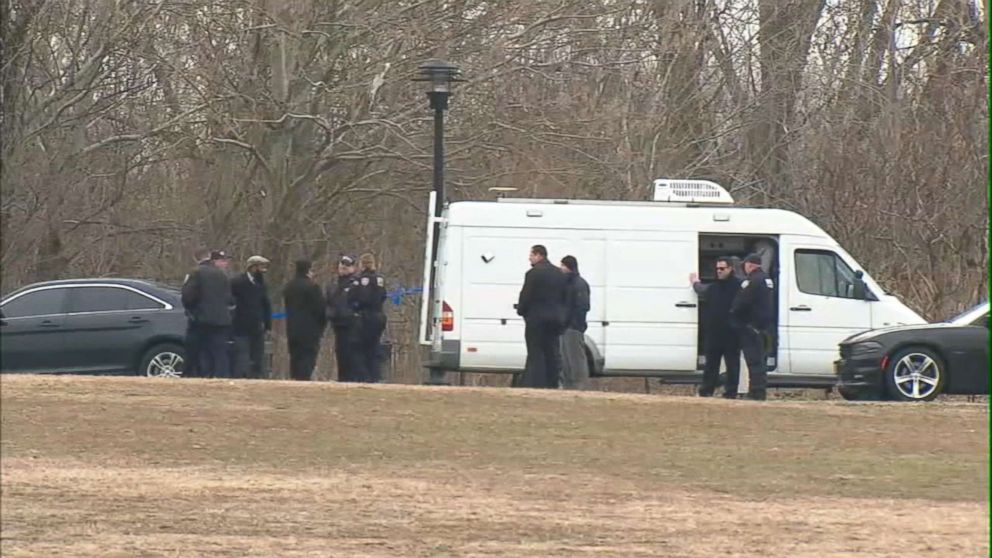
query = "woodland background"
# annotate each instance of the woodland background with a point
(134, 131)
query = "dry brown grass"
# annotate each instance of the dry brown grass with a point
(139, 467)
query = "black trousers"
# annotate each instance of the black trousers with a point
(303, 359)
(346, 348)
(366, 358)
(193, 341)
(723, 346)
(543, 361)
(249, 355)
(214, 355)
(753, 347)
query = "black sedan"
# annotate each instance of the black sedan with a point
(93, 326)
(918, 362)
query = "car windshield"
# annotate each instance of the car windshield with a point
(970, 315)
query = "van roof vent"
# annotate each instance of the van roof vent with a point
(691, 191)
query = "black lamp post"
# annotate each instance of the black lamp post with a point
(440, 75)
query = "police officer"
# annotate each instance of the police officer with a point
(343, 319)
(719, 338)
(752, 314)
(366, 299)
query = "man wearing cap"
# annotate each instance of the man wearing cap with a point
(252, 318)
(366, 299)
(344, 319)
(574, 367)
(752, 313)
(206, 295)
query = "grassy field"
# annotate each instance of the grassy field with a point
(143, 467)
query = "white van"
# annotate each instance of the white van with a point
(637, 258)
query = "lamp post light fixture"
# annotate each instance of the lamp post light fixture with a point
(440, 76)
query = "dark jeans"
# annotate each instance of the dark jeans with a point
(724, 347)
(753, 347)
(346, 347)
(543, 361)
(192, 342)
(249, 355)
(214, 357)
(303, 359)
(366, 359)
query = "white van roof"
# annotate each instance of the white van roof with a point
(628, 215)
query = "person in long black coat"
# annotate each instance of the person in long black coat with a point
(252, 319)
(542, 304)
(305, 321)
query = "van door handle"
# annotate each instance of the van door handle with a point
(802, 308)
(48, 324)
(684, 304)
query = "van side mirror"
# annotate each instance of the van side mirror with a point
(860, 290)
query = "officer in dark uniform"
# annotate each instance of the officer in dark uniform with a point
(343, 318)
(752, 314)
(366, 299)
(543, 306)
(719, 338)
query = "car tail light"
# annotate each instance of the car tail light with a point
(447, 317)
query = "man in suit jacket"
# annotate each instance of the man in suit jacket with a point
(542, 304)
(252, 319)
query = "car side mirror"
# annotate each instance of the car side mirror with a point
(860, 290)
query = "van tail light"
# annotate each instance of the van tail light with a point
(447, 317)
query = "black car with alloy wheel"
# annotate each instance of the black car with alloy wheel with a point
(93, 326)
(918, 362)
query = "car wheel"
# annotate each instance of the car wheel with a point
(164, 361)
(859, 394)
(915, 374)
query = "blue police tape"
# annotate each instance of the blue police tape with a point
(395, 296)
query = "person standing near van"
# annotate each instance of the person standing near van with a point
(719, 337)
(574, 367)
(305, 321)
(366, 300)
(542, 306)
(343, 318)
(206, 294)
(252, 318)
(753, 314)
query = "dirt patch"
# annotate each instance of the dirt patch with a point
(105, 467)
